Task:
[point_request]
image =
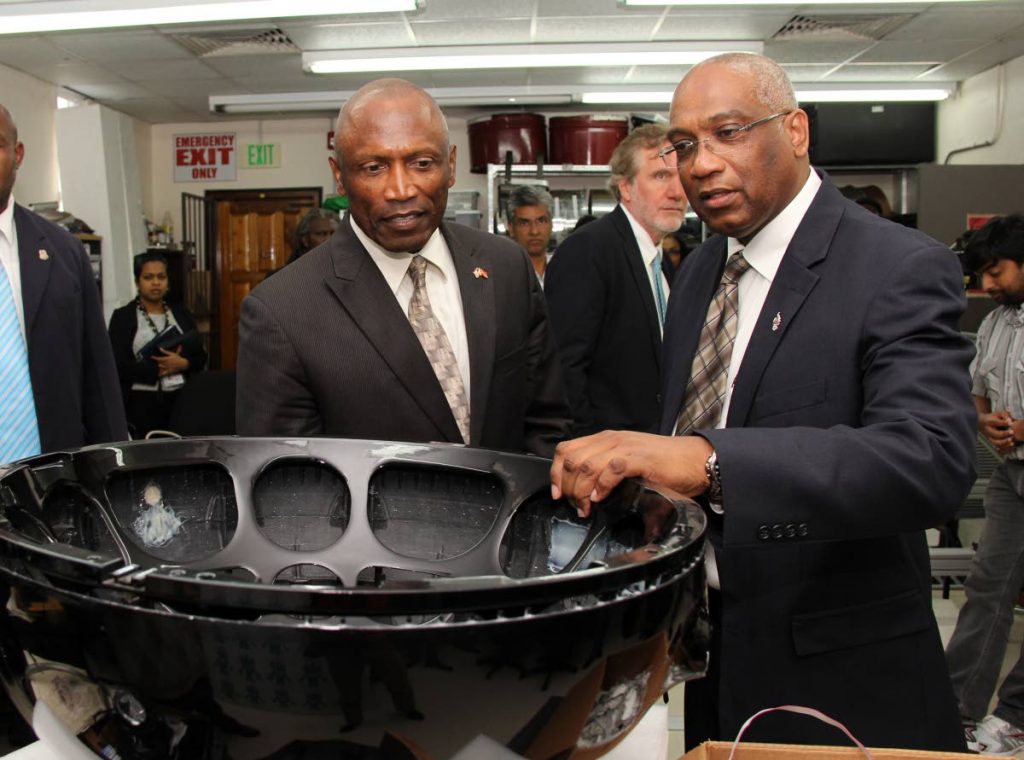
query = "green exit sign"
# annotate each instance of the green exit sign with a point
(262, 156)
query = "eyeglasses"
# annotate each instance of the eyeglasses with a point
(721, 141)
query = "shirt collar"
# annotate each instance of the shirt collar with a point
(7, 221)
(648, 250)
(394, 265)
(765, 250)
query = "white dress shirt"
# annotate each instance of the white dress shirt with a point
(764, 252)
(648, 252)
(9, 258)
(442, 288)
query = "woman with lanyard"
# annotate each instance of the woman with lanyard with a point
(151, 375)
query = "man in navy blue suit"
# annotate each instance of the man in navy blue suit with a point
(74, 386)
(816, 399)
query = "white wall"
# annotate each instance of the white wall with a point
(100, 182)
(972, 117)
(33, 104)
(303, 161)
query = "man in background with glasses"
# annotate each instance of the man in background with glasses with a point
(817, 402)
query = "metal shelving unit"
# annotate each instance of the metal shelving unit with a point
(496, 174)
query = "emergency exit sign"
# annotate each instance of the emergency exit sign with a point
(262, 156)
(204, 158)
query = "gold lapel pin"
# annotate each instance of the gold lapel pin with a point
(43, 255)
(480, 272)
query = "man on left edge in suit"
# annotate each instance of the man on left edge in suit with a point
(58, 384)
(401, 327)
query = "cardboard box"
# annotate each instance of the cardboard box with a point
(752, 751)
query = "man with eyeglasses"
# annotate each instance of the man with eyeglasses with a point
(607, 291)
(817, 402)
(528, 217)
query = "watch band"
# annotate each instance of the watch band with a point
(714, 474)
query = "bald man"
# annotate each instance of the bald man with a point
(816, 398)
(401, 327)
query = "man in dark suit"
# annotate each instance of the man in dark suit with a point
(71, 390)
(842, 427)
(607, 290)
(401, 327)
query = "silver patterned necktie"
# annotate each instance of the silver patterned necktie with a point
(705, 393)
(436, 346)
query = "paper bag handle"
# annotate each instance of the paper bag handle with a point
(801, 711)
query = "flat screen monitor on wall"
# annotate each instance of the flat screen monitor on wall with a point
(866, 134)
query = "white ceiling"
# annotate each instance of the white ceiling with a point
(148, 73)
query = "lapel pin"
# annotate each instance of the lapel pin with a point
(479, 272)
(777, 322)
(43, 255)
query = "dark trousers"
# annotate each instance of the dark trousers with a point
(700, 697)
(149, 410)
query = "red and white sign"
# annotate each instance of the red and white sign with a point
(205, 158)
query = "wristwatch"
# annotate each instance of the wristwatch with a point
(711, 469)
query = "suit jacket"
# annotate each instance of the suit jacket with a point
(605, 324)
(74, 382)
(124, 323)
(325, 349)
(851, 430)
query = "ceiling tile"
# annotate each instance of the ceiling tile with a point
(120, 46)
(979, 60)
(716, 25)
(333, 36)
(967, 23)
(868, 72)
(162, 71)
(584, 8)
(803, 52)
(596, 29)
(460, 10)
(20, 52)
(589, 75)
(908, 51)
(255, 66)
(472, 32)
(110, 93)
(73, 74)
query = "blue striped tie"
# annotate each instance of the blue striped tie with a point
(19, 431)
(659, 291)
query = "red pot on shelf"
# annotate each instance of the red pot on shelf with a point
(586, 140)
(491, 137)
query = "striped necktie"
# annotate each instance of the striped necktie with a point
(705, 393)
(436, 346)
(19, 430)
(659, 290)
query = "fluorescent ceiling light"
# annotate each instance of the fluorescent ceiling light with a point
(881, 92)
(518, 56)
(625, 98)
(22, 18)
(296, 102)
(805, 93)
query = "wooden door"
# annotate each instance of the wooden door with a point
(255, 231)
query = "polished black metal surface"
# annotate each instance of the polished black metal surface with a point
(272, 598)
